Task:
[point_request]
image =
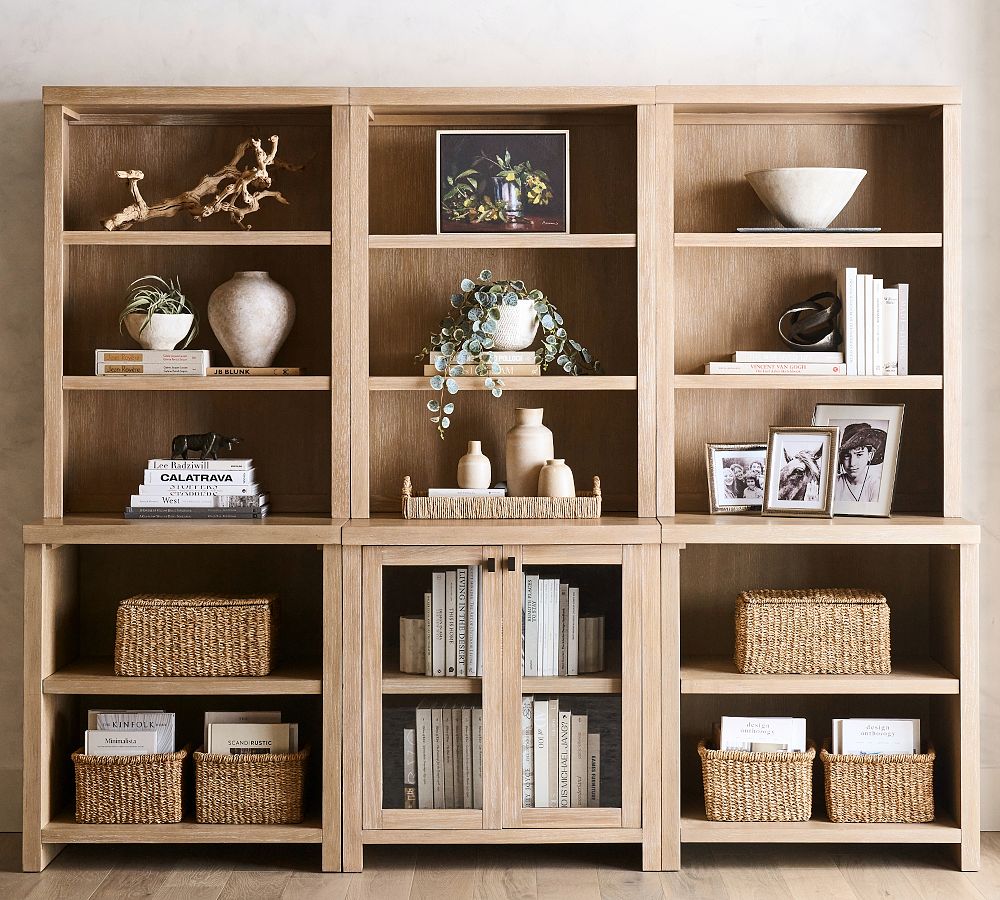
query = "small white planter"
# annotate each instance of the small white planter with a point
(517, 326)
(805, 196)
(164, 331)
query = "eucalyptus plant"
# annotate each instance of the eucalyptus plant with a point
(465, 339)
(151, 295)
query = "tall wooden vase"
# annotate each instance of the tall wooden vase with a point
(528, 446)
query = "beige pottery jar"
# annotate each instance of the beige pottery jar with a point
(251, 315)
(556, 479)
(474, 469)
(528, 446)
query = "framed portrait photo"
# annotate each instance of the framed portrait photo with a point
(801, 463)
(503, 181)
(865, 474)
(735, 477)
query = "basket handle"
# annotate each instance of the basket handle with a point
(407, 487)
(597, 486)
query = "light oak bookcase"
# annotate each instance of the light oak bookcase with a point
(656, 280)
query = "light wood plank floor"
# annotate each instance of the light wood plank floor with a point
(722, 872)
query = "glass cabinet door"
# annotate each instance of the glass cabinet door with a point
(431, 687)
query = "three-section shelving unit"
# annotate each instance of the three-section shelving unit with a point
(654, 278)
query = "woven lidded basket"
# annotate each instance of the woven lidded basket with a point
(583, 506)
(757, 787)
(174, 635)
(880, 787)
(252, 789)
(120, 790)
(812, 631)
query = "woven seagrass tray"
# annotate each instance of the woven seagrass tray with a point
(120, 790)
(880, 787)
(582, 506)
(263, 789)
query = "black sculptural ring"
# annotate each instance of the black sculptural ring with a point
(813, 323)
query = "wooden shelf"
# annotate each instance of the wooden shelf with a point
(597, 683)
(718, 675)
(699, 528)
(196, 383)
(64, 830)
(395, 682)
(511, 383)
(498, 241)
(810, 382)
(199, 238)
(696, 829)
(799, 239)
(96, 676)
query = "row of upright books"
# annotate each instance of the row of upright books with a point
(557, 640)
(176, 362)
(453, 638)
(560, 758)
(198, 489)
(443, 757)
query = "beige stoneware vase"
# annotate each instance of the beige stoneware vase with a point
(251, 315)
(474, 469)
(528, 446)
(556, 479)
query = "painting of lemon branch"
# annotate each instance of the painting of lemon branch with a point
(503, 181)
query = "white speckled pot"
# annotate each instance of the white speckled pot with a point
(164, 331)
(517, 326)
(251, 315)
(805, 196)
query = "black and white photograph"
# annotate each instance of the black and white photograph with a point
(866, 457)
(735, 477)
(503, 181)
(799, 479)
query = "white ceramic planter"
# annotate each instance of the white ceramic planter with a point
(517, 326)
(164, 331)
(251, 315)
(805, 196)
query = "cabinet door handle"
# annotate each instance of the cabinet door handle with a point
(491, 564)
(511, 564)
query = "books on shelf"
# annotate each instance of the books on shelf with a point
(560, 760)
(508, 370)
(775, 368)
(447, 765)
(554, 638)
(875, 324)
(198, 489)
(870, 736)
(452, 626)
(129, 732)
(762, 734)
(255, 371)
(119, 743)
(500, 357)
(788, 356)
(151, 362)
(249, 733)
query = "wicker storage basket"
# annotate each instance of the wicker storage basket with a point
(880, 787)
(263, 789)
(120, 790)
(582, 506)
(757, 787)
(812, 631)
(171, 635)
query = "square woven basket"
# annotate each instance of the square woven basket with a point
(194, 636)
(880, 787)
(126, 790)
(812, 631)
(757, 787)
(252, 789)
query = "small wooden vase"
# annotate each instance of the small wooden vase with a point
(556, 479)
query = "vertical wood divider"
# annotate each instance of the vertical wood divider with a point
(371, 685)
(652, 687)
(665, 310)
(968, 717)
(670, 594)
(359, 399)
(333, 683)
(951, 326)
(342, 302)
(647, 236)
(497, 668)
(631, 696)
(353, 769)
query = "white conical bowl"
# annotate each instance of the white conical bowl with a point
(805, 196)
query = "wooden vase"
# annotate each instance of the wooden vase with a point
(528, 446)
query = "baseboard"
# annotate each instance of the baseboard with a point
(990, 798)
(10, 799)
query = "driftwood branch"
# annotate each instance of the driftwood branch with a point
(232, 189)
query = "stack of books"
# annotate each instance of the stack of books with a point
(870, 736)
(443, 757)
(177, 362)
(198, 489)
(252, 733)
(554, 641)
(762, 734)
(128, 732)
(780, 362)
(875, 322)
(504, 363)
(453, 638)
(560, 759)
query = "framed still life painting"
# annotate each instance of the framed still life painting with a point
(503, 181)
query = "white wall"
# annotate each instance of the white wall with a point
(320, 42)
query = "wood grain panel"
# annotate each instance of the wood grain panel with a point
(730, 299)
(594, 289)
(595, 433)
(901, 192)
(602, 181)
(98, 280)
(744, 415)
(112, 434)
(175, 159)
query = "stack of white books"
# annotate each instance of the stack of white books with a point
(250, 733)
(502, 363)
(443, 757)
(128, 732)
(560, 759)
(453, 638)
(198, 489)
(762, 734)
(780, 362)
(865, 737)
(552, 640)
(151, 362)
(875, 322)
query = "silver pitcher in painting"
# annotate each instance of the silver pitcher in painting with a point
(508, 193)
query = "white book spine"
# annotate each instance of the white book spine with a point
(531, 611)
(472, 624)
(468, 788)
(450, 621)
(204, 478)
(890, 331)
(458, 763)
(209, 501)
(550, 625)
(565, 743)
(477, 757)
(409, 759)
(877, 308)
(218, 490)
(527, 752)
(563, 666)
(448, 756)
(869, 326)
(847, 288)
(775, 368)
(593, 770)
(428, 633)
(479, 627)
(541, 761)
(425, 758)
(903, 341)
(461, 623)
(501, 357)
(145, 368)
(578, 762)
(438, 589)
(553, 753)
(573, 646)
(201, 465)
(437, 738)
(554, 627)
(784, 356)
